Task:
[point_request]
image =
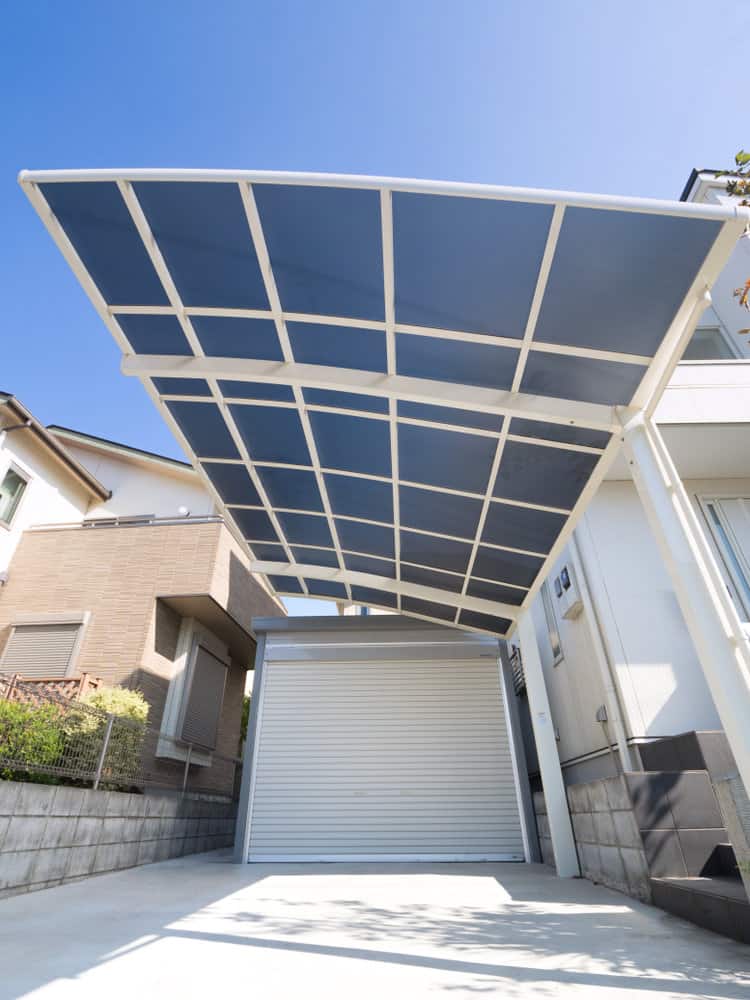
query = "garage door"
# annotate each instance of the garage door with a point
(382, 759)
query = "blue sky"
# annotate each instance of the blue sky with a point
(594, 95)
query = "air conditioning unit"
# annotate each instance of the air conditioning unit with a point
(567, 593)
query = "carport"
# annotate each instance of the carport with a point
(403, 393)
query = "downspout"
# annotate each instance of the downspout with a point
(611, 694)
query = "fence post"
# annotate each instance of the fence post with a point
(11, 688)
(103, 752)
(188, 755)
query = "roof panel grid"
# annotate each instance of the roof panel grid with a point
(338, 346)
(444, 458)
(590, 380)
(367, 539)
(272, 434)
(467, 264)
(352, 444)
(232, 483)
(325, 248)
(202, 233)
(96, 220)
(204, 429)
(542, 475)
(291, 489)
(238, 337)
(155, 334)
(368, 499)
(424, 378)
(316, 557)
(459, 361)
(618, 278)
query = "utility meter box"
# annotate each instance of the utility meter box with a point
(567, 593)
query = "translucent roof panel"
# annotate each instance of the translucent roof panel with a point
(202, 234)
(233, 337)
(399, 393)
(465, 264)
(325, 249)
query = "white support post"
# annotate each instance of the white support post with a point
(708, 610)
(558, 815)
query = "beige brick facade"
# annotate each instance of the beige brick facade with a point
(116, 574)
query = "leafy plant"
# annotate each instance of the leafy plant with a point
(86, 730)
(738, 184)
(29, 735)
(245, 718)
(125, 703)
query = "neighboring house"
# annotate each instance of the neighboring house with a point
(115, 565)
(616, 637)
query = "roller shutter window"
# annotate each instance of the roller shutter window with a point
(205, 696)
(43, 650)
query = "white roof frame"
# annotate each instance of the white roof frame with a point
(391, 386)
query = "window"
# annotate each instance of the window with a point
(709, 343)
(729, 522)
(202, 705)
(192, 710)
(11, 490)
(41, 649)
(552, 629)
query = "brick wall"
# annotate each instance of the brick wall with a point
(53, 834)
(116, 574)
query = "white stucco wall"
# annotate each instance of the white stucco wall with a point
(142, 486)
(52, 496)
(660, 681)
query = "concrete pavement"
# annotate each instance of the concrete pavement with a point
(201, 927)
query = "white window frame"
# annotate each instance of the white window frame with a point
(734, 561)
(553, 626)
(80, 618)
(191, 635)
(23, 474)
(729, 341)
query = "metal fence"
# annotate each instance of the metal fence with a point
(43, 733)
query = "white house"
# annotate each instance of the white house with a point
(641, 663)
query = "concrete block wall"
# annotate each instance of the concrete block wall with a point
(50, 834)
(608, 841)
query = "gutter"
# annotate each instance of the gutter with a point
(27, 421)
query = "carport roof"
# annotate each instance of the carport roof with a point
(400, 393)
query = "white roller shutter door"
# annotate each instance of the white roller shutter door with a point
(383, 759)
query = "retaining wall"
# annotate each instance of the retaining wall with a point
(50, 834)
(608, 841)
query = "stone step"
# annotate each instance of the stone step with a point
(718, 903)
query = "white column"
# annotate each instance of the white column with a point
(561, 830)
(708, 610)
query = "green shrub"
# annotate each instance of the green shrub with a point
(123, 702)
(29, 735)
(85, 732)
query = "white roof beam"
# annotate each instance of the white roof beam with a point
(385, 583)
(595, 416)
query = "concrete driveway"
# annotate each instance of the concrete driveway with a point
(200, 927)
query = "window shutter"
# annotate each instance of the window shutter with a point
(200, 720)
(40, 650)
